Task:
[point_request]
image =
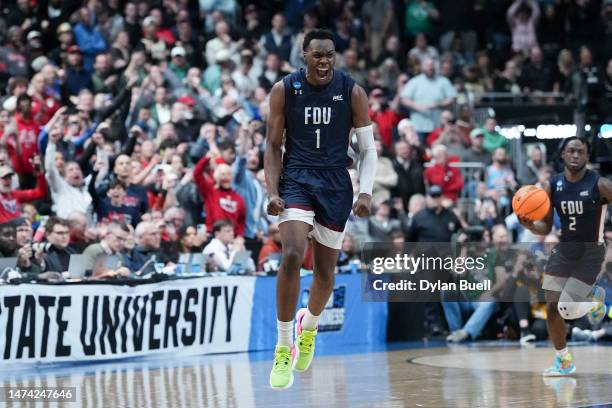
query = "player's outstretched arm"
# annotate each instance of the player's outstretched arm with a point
(274, 142)
(605, 189)
(544, 226)
(367, 150)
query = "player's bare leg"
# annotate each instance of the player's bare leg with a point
(555, 324)
(325, 259)
(294, 238)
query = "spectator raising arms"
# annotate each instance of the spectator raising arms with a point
(220, 200)
(69, 192)
(523, 16)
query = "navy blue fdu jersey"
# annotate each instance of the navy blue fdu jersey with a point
(318, 120)
(580, 207)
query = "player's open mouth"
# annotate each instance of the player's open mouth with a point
(322, 72)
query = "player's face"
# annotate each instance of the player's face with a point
(575, 156)
(320, 60)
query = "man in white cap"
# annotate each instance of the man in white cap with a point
(179, 64)
(34, 47)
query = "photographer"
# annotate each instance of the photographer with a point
(526, 310)
(16, 241)
(29, 258)
(480, 305)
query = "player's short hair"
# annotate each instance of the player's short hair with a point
(580, 139)
(318, 34)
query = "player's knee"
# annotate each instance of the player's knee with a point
(292, 255)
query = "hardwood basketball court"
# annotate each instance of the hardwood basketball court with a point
(462, 376)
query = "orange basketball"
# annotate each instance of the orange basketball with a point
(531, 202)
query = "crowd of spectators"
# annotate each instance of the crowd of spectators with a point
(136, 129)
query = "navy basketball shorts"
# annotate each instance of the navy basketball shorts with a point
(322, 198)
(575, 264)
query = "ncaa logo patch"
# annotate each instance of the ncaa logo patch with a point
(297, 88)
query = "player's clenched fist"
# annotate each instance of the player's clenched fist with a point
(361, 208)
(276, 205)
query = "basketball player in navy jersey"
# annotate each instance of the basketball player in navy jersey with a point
(579, 196)
(310, 188)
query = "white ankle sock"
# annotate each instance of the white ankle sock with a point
(285, 333)
(563, 353)
(598, 334)
(309, 321)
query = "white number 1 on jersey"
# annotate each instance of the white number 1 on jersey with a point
(318, 132)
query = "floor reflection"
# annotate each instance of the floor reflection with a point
(415, 377)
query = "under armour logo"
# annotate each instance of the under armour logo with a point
(337, 98)
(584, 193)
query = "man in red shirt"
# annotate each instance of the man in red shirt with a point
(441, 174)
(384, 115)
(10, 199)
(22, 140)
(220, 200)
(44, 104)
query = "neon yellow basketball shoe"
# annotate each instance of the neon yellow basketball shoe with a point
(281, 376)
(304, 343)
